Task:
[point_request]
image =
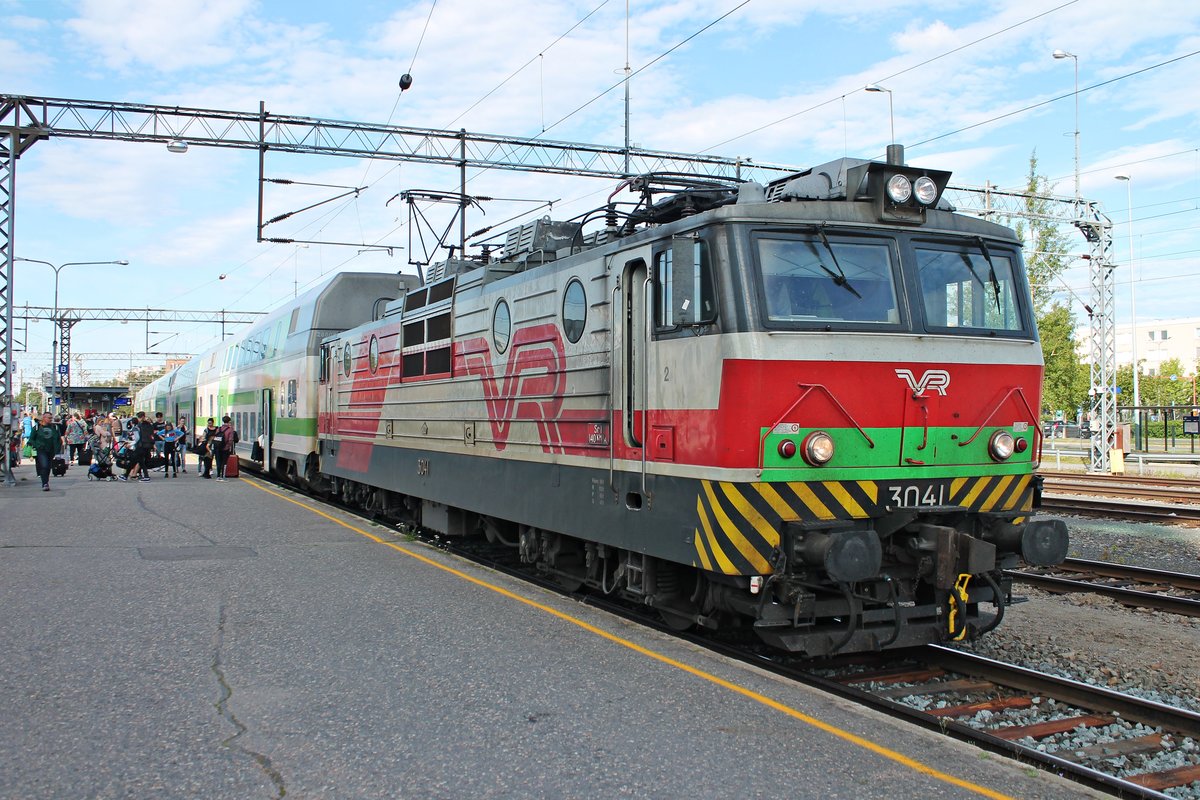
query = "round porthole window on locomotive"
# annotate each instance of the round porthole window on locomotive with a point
(501, 326)
(574, 310)
(373, 355)
(347, 359)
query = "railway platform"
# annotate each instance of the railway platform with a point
(190, 638)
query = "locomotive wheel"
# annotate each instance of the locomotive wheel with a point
(676, 621)
(569, 583)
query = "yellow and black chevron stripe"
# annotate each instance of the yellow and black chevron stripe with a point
(738, 524)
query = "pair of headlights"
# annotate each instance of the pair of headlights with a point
(817, 448)
(900, 190)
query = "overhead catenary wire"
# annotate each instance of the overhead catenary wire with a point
(885, 78)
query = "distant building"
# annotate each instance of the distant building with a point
(1159, 341)
(101, 399)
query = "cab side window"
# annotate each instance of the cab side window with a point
(685, 292)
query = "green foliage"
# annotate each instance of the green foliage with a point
(29, 396)
(1159, 389)
(1066, 383)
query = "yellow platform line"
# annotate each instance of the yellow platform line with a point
(833, 730)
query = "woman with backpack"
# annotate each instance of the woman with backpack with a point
(48, 443)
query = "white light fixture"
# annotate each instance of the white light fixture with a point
(875, 87)
(177, 146)
(1061, 54)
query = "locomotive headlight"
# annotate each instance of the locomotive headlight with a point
(1001, 446)
(817, 448)
(925, 190)
(899, 189)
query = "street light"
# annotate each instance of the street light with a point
(54, 343)
(875, 87)
(1064, 54)
(1137, 396)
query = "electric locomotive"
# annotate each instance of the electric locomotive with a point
(806, 409)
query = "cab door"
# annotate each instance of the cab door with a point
(630, 354)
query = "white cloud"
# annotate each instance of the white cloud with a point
(164, 36)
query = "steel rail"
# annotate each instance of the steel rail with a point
(1051, 579)
(1122, 509)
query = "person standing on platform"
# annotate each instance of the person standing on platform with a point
(77, 436)
(160, 426)
(207, 448)
(144, 431)
(170, 443)
(181, 446)
(26, 428)
(48, 442)
(226, 438)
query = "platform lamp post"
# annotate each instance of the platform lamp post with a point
(1064, 54)
(875, 87)
(1137, 395)
(54, 397)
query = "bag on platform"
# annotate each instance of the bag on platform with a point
(27, 451)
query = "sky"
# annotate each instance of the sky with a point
(974, 89)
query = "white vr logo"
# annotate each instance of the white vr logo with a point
(937, 380)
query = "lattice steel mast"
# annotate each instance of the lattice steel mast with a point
(1096, 228)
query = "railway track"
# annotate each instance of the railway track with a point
(1003, 708)
(1139, 587)
(1167, 490)
(1122, 497)
(1108, 740)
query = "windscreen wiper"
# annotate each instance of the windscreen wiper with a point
(838, 277)
(991, 269)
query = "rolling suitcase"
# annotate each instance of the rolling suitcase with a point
(231, 466)
(85, 458)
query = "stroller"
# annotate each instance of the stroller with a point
(102, 461)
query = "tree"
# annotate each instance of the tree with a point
(1066, 383)
(1067, 379)
(1045, 241)
(29, 397)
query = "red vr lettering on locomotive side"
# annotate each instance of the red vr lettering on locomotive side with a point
(365, 404)
(532, 388)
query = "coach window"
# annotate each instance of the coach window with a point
(347, 359)
(685, 286)
(574, 311)
(501, 326)
(373, 355)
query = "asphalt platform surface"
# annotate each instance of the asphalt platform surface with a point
(188, 638)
